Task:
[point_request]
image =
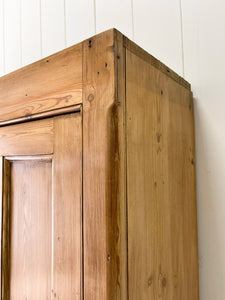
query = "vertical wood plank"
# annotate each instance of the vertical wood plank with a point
(79, 20)
(119, 190)
(104, 168)
(6, 218)
(67, 203)
(157, 29)
(114, 14)
(98, 100)
(52, 26)
(12, 35)
(30, 31)
(161, 188)
(2, 41)
(1, 204)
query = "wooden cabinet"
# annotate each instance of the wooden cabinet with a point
(97, 167)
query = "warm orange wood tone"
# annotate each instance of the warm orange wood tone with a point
(42, 200)
(30, 257)
(51, 83)
(42, 115)
(67, 178)
(162, 236)
(138, 51)
(6, 218)
(106, 132)
(118, 165)
(105, 271)
(1, 202)
(98, 100)
(26, 138)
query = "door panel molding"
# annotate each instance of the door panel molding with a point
(42, 115)
(6, 218)
(57, 141)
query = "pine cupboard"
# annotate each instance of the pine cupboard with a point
(97, 167)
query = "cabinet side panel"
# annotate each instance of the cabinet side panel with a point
(162, 227)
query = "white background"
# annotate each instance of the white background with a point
(188, 36)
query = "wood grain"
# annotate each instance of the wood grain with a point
(67, 178)
(46, 157)
(162, 229)
(6, 219)
(98, 98)
(42, 115)
(33, 217)
(122, 171)
(137, 50)
(51, 83)
(30, 238)
(30, 138)
(1, 203)
(118, 172)
(103, 148)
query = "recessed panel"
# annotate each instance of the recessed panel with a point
(30, 238)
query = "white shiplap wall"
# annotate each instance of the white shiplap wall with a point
(12, 35)
(157, 28)
(2, 39)
(188, 36)
(204, 50)
(33, 29)
(31, 38)
(114, 13)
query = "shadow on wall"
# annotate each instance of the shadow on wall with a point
(210, 164)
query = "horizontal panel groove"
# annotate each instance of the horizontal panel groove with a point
(47, 157)
(46, 114)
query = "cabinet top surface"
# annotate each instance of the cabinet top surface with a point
(57, 81)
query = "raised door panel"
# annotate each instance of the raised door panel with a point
(41, 208)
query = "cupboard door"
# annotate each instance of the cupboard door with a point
(41, 187)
